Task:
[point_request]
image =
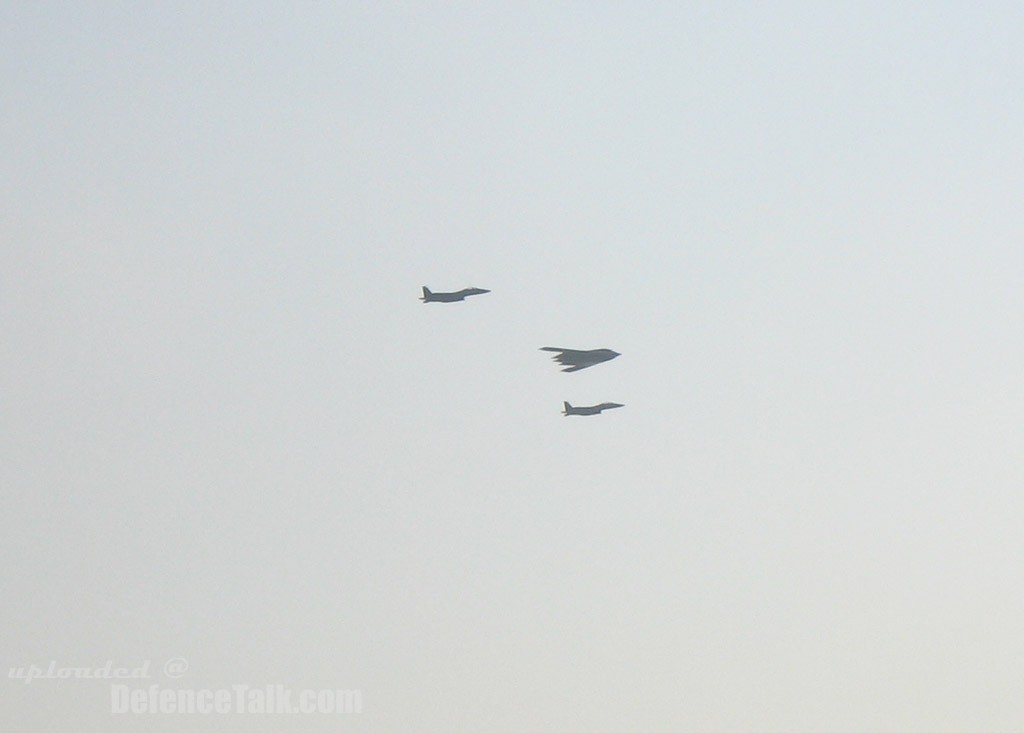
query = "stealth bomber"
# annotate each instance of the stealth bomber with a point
(574, 360)
(589, 410)
(431, 297)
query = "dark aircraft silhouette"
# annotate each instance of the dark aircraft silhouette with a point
(429, 297)
(576, 360)
(591, 410)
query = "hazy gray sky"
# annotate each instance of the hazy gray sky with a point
(232, 434)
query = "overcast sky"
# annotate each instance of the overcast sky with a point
(231, 433)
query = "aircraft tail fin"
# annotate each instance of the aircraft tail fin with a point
(566, 408)
(426, 293)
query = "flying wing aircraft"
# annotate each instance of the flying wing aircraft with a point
(588, 410)
(431, 297)
(574, 360)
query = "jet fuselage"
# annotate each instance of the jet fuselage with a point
(431, 297)
(574, 360)
(589, 409)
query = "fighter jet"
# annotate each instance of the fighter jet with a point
(429, 297)
(591, 410)
(577, 360)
